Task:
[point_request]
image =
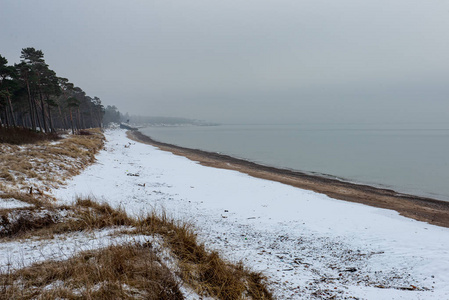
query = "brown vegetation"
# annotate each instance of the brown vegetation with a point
(20, 136)
(39, 166)
(203, 270)
(118, 272)
(24, 220)
(130, 271)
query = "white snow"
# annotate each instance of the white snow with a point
(306, 243)
(10, 203)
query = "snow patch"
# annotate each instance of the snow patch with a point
(11, 203)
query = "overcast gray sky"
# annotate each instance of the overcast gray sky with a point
(244, 60)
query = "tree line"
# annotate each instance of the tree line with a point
(33, 96)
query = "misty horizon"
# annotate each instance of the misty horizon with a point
(253, 62)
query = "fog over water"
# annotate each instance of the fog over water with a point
(284, 61)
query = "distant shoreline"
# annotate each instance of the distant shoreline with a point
(424, 209)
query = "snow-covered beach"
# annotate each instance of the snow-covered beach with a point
(308, 244)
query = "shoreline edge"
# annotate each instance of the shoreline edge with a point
(432, 211)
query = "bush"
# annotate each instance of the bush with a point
(19, 136)
(84, 132)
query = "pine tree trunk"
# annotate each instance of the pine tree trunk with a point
(52, 129)
(26, 120)
(11, 110)
(6, 118)
(63, 121)
(38, 119)
(30, 102)
(44, 118)
(71, 121)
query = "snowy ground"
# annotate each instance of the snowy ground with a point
(12, 203)
(22, 253)
(308, 244)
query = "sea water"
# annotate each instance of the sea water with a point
(409, 158)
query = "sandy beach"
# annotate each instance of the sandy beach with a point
(307, 244)
(429, 210)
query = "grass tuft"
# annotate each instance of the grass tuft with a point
(93, 215)
(131, 271)
(205, 271)
(6, 175)
(25, 220)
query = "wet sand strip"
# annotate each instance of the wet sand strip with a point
(429, 210)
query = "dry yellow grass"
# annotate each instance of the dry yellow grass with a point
(7, 175)
(45, 219)
(46, 164)
(205, 271)
(130, 271)
(25, 197)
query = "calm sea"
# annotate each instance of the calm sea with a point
(409, 158)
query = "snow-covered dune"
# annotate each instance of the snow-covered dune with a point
(306, 243)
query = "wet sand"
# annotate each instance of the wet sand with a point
(429, 210)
